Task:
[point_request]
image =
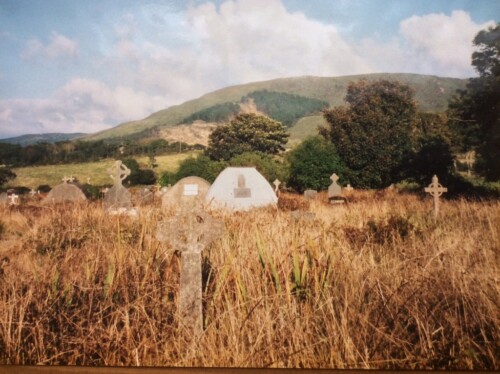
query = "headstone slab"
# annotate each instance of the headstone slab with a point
(65, 193)
(348, 188)
(189, 190)
(240, 189)
(4, 199)
(310, 194)
(334, 190)
(242, 192)
(144, 197)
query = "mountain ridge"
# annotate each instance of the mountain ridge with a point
(431, 93)
(53, 137)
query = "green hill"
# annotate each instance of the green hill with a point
(29, 139)
(432, 94)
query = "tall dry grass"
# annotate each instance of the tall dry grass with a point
(372, 284)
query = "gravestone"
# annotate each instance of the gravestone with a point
(435, 189)
(117, 198)
(348, 188)
(144, 197)
(242, 191)
(310, 194)
(277, 187)
(302, 215)
(4, 199)
(13, 199)
(186, 190)
(335, 191)
(190, 232)
(65, 192)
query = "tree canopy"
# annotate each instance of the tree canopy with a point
(247, 132)
(373, 133)
(475, 112)
(312, 163)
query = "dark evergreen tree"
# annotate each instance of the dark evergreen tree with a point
(373, 134)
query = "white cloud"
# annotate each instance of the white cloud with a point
(82, 105)
(58, 47)
(434, 44)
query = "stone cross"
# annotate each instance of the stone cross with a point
(13, 199)
(65, 179)
(189, 232)
(118, 172)
(277, 186)
(32, 192)
(435, 190)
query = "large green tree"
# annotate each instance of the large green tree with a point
(373, 132)
(475, 112)
(247, 132)
(312, 163)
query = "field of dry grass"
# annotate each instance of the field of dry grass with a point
(372, 284)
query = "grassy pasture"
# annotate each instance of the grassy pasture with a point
(52, 175)
(372, 284)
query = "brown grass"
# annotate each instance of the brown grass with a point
(375, 283)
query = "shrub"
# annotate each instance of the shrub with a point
(312, 163)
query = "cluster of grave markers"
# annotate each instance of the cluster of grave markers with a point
(192, 229)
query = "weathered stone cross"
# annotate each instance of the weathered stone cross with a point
(118, 172)
(190, 232)
(435, 190)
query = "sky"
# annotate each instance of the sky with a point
(85, 66)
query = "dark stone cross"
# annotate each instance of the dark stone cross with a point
(435, 190)
(190, 232)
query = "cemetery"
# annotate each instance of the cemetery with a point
(244, 273)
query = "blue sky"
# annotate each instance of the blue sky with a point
(84, 66)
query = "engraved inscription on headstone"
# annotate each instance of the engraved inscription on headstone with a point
(242, 191)
(190, 231)
(435, 189)
(190, 190)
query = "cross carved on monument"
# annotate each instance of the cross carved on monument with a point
(190, 232)
(435, 189)
(118, 172)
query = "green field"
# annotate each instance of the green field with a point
(52, 175)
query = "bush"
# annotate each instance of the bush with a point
(138, 175)
(312, 163)
(201, 166)
(45, 188)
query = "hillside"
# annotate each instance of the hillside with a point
(432, 94)
(28, 139)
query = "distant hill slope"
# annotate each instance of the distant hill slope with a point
(29, 139)
(431, 92)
